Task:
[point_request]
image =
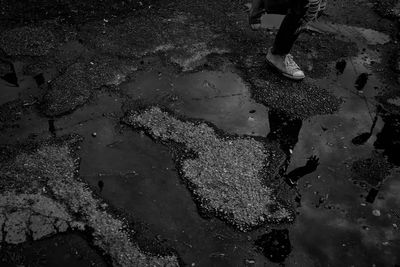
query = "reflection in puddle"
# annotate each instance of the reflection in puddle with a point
(218, 97)
(351, 33)
(336, 216)
(135, 174)
(275, 245)
(388, 139)
(271, 21)
(13, 84)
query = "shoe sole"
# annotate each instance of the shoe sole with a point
(283, 73)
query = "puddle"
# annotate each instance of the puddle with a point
(218, 97)
(271, 21)
(275, 245)
(18, 86)
(61, 250)
(8, 92)
(339, 222)
(122, 161)
(331, 203)
(137, 175)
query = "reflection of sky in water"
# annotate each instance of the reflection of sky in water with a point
(221, 98)
(342, 229)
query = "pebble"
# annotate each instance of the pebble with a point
(250, 262)
(376, 213)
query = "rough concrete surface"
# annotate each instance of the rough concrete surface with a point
(27, 41)
(74, 87)
(31, 215)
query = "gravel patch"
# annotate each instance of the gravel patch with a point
(184, 40)
(27, 41)
(299, 100)
(227, 176)
(74, 87)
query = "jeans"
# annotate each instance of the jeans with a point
(294, 10)
(290, 27)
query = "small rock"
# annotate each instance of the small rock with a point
(376, 213)
(94, 134)
(250, 262)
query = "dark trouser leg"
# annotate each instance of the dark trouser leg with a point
(288, 32)
(256, 9)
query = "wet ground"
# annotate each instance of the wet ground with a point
(336, 135)
(64, 250)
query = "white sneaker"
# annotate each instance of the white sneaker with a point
(285, 65)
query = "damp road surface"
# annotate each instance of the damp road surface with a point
(341, 170)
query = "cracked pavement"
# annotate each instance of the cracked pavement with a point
(153, 133)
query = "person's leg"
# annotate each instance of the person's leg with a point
(255, 13)
(289, 29)
(256, 7)
(278, 56)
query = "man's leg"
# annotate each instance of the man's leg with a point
(256, 7)
(289, 30)
(286, 37)
(256, 10)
